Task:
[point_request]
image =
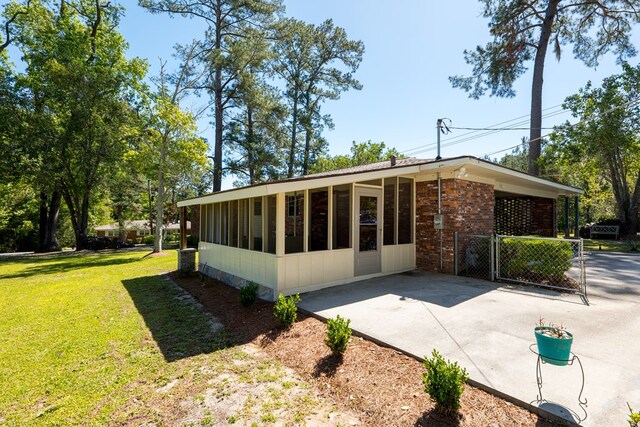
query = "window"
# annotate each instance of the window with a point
(244, 223)
(216, 223)
(143, 232)
(405, 211)
(233, 224)
(319, 219)
(256, 224)
(341, 217)
(270, 223)
(224, 223)
(293, 206)
(389, 213)
(110, 233)
(294, 224)
(210, 223)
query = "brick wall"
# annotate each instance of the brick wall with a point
(194, 211)
(467, 207)
(543, 217)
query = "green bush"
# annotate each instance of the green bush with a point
(547, 257)
(285, 310)
(444, 381)
(338, 334)
(248, 294)
(149, 239)
(634, 417)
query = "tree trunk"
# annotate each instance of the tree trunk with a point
(49, 213)
(42, 236)
(535, 131)
(51, 239)
(219, 108)
(250, 140)
(294, 136)
(157, 241)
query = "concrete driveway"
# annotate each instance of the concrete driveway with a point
(488, 329)
(614, 275)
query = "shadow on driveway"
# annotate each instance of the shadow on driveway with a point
(614, 275)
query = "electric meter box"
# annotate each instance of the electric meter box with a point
(437, 222)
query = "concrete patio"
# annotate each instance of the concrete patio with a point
(488, 329)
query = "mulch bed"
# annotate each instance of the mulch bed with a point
(381, 385)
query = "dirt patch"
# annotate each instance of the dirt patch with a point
(378, 384)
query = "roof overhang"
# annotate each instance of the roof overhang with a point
(503, 179)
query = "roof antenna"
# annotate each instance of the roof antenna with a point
(441, 128)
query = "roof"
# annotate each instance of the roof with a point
(465, 167)
(139, 224)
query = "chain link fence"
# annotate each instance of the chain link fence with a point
(552, 263)
(474, 256)
(539, 261)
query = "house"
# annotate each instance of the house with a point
(327, 229)
(136, 229)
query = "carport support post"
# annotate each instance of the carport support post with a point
(566, 217)
(576, 217)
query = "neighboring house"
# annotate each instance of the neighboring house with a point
(136, 229)
(326, 229)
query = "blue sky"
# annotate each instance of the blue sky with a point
(411, 48)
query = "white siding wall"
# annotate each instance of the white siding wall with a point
(256, 266)
(313, 270)
(398, 258)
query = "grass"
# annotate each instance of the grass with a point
(76, 343)
(608, 245)
(104, 339)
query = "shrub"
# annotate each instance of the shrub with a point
(521, 257)
(248, 294)
(338, 334)
(285, 310)
(444, 381)
(149, 239)
(634, 417)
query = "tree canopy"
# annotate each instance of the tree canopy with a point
(605, 142)
(523, 31)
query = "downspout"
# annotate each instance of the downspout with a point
(440, 215)
(438, 131)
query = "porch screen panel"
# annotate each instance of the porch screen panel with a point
(216, 223)
(270, 221)
(256, 224)
(341, 217)
(389, 211)
(244, 223)
(233, 223)
(319, 220)
(224, 223)
(294, 223)
(405, 211)
(203, 223)
(210, 222)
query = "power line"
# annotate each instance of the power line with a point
(571, 125)
(474, 134)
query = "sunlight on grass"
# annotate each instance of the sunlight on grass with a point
(82, 335)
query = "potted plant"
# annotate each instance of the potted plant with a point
(554, 343)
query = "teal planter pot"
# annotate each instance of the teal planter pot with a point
(555, 351)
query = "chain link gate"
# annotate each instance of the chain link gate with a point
(557, 264)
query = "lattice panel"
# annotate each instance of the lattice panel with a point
(513, 216)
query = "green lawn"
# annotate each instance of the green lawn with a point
(83, 336)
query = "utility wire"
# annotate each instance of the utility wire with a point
(571, 125)
(474, 134)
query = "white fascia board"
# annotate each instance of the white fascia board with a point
(503, 176)
(299, 185)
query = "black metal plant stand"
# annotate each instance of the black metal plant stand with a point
(582, 402)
